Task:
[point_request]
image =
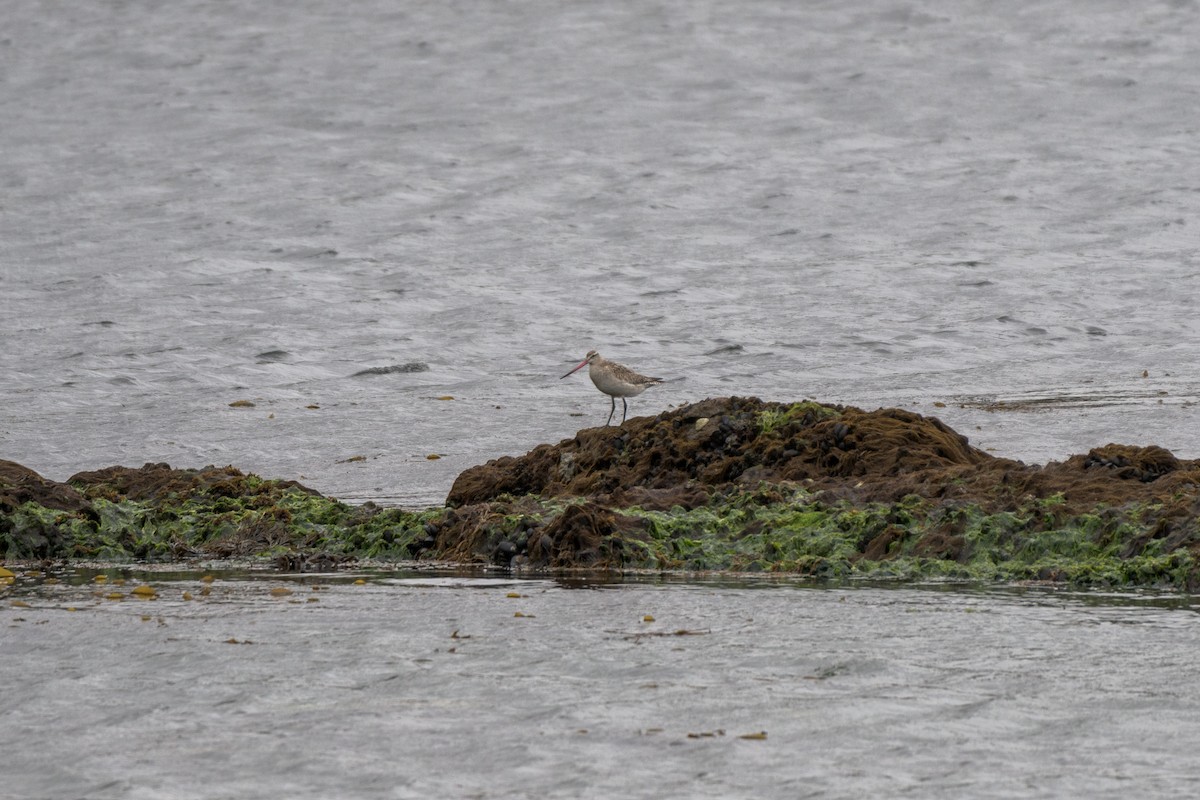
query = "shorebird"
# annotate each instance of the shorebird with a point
(615, 380)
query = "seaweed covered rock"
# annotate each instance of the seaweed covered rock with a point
(584, 535)
(725, 484)
(738, 483)
(20, 485)
(155, 482)
(722, 440)
(156, 512)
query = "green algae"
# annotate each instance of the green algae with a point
(808, 412)
(803, 537)
(751, 531)
(208, 525)
(768, 529)
(913, 539)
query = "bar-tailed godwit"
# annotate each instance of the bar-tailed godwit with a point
(615, 380)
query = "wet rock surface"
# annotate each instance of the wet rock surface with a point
(724, 484)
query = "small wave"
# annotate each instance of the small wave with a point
(412, 366)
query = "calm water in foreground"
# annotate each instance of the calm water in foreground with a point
(416, 685)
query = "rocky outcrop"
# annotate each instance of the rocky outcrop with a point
(733, 484)
(733, 468)
(20, 485)
(160, 513)
(682, 457)
(722, 441)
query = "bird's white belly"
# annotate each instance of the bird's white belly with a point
(613, 386)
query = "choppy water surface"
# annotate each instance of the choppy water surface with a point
(442, 685)
(876, 203)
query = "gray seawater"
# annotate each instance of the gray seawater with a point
(876, 203)
(469, 686)
(983, 211)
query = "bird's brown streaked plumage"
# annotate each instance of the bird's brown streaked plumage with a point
(615, 380)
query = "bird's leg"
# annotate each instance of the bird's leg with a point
(624, 409)
(612, 411)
